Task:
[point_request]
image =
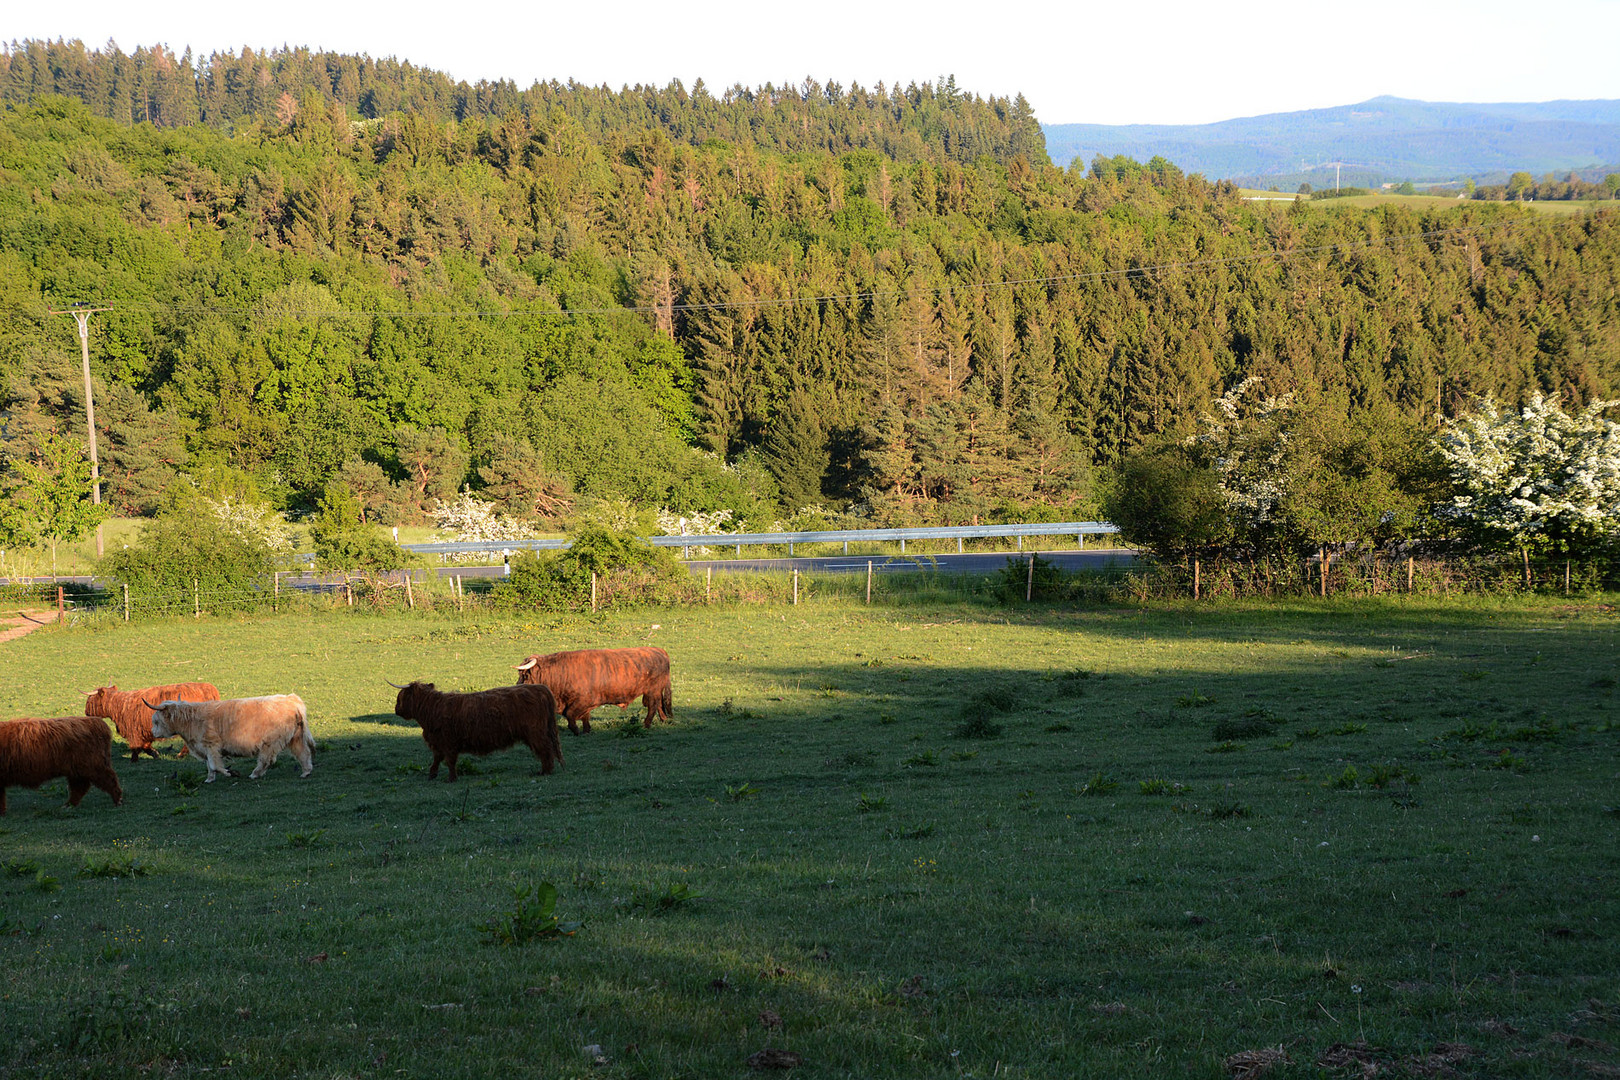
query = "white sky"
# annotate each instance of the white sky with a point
(1173, 61)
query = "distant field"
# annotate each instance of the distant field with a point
(1434, 201)
(946, 841)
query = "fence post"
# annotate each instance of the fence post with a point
(1322, 552)
(275, 593)
(1029, 586)
(868, 581)
(410, 598)
(593, 590)
(126, 602)
(196, 601)
(1020, 543)
(1409, 573)
(795, 584)
(902, 545)
(959, 545)
(348, 590)
(708, 581)
(1566, 575)
(1196, 583)
(61, 607)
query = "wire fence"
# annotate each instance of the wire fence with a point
(1025, 579)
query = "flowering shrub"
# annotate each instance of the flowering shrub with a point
(254, 522)
(1538, 477)
(469, 518)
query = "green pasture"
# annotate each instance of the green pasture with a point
(949, 840)
(1438, 202)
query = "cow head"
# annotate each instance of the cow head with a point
(526, 669)
(95, 701)
(405, 700)
(160, 718)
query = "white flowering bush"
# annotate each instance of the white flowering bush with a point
(1537, 477)
(1247, 446)
(712, 523)
(467, 518)
(253, 522)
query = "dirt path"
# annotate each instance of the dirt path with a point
(15, 626)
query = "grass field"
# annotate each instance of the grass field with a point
(1431, 202)
(947, 841)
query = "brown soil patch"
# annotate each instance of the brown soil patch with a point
(24, 622)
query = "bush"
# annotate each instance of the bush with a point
(178, 549)
(625, 565)
(343, 541)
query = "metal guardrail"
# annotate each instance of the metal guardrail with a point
(958, 533)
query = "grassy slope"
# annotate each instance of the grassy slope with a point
(992, 908)
(1431, 202)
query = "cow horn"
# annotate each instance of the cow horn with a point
(394, 684)
(529, 663)
(149, 705)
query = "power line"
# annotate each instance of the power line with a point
(829, 298)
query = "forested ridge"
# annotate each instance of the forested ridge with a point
(567, 295)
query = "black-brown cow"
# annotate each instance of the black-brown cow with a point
(482, 722)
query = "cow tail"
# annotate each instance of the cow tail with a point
(303, 724)
(667, 702)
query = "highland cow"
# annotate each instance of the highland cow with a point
(482, 722)
(585, 678)
(132, 716)
(259, 726)
(77, 747)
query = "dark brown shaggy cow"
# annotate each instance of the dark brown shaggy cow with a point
(585, 678)
(133, 718)
(77, 747)
(482, 722)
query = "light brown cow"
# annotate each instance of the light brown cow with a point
(258, 726)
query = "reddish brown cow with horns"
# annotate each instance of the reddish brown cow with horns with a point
(585, 678)
(132, 716)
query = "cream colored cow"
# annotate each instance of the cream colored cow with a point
(245, 727)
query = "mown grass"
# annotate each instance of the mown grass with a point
(941, 841)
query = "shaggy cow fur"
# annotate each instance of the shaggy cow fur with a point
(132, 717)
(77, 747)
(585, 678)
(482, 722)
(261, 727)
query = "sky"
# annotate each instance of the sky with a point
(1172, 62)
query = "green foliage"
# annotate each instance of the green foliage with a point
(187, 544)
(532, 917)
(560, 580)
(1167, 502)
(676, 895)
(343, 540)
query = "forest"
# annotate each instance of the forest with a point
(885, 302)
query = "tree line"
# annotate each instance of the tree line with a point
(560, 314)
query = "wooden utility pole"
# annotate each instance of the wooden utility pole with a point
(81, 315)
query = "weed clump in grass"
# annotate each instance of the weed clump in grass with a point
(1161, 787)
(739, 792)
(977, 727)
(1227, 747)
(115, 868)
(532, 917)
(675, 895)
(1098, 785)
(1247, 727)
(871, 804)
(926, 759)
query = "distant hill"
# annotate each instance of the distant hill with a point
(1385, 139)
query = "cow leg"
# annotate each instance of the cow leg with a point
(267, 758)
(77, 786)
(301, 754)
(216, 764)
(135, 755)
(2, 800)
(433, 770)
(647, 700)
(584, 721)
(450, 760)
(108, 782)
